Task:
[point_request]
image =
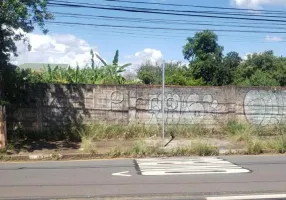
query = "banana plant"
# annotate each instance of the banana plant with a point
(112, 72)
(50, 74)
(73, 74)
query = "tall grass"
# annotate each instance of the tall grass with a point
(191, 131)
(88, 145)
(236, 131)
(142, 149)
(249, 136)
(239, 132)
(195, 149)
(102, 131)
(255, 146)
(278, 144)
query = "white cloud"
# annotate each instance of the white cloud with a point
(273, 38)
(246, 56)
(148, 54)
(69, 49)
(257, 4)
(57, 48)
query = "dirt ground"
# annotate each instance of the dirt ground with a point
(104, 146)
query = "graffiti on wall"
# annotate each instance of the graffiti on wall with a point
(260, 107)
(263, 107)
(183, 109)
(117, 98)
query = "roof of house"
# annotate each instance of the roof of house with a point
(39, 66)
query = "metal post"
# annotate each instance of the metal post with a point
(163, 104)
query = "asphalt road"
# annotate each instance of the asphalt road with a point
(180, 178)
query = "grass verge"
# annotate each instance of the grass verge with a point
(195, 149)
(142, 149)
(255, 146)
(278, 144)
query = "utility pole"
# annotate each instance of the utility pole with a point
(163, 104)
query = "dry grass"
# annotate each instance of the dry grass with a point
(255, 146)
(190, 131)
(116, 152)
(239, 132)
(248, 135)
(235, 130)
(138, 131)
(195, 149)
(278, 144)
(204, 149)
(128, 132)
(141, 149)
(88, 145)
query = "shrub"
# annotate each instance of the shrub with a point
(204, 149)
(88, 145)
(254, 147)
(278, 144)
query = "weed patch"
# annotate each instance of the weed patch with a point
(88, 145)
(255, 147)
(278, 144)
(204, 149)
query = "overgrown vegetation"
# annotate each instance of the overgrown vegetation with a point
(102, 74)
(278, 144)
(254, 146)
(145, 140)
(195, 149)
(88, 145)
(209, 66)
(102, 131)
(142, 149)
(250, 137)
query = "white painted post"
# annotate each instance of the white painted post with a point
(163, 104)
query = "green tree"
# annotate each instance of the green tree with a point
(175, 74)
(19, 14)
(205, 56)
(225, 73)
(261, 69)
(232, 60)
(201, 46)
(15, 15)
(149, 73)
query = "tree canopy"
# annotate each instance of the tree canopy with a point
(261, 69)
(19, 14)
(207, 63)
(209, 66)
(205, 56)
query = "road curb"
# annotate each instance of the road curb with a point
(87, 156)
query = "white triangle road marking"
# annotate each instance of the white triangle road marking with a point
(122, 174)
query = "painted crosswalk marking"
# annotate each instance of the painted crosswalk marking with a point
(187, 166)
(249, 197)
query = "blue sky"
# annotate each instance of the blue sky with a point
(168, 43)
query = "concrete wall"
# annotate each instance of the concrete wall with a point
(51, 106)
